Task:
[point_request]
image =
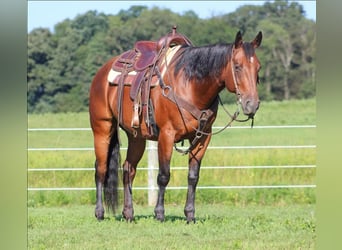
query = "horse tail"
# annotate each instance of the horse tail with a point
(112, 177)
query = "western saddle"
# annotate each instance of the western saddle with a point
(140, 68)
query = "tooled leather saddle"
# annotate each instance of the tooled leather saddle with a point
(139, 68)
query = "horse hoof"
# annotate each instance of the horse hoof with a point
(128, 215)
(159, 214)
(189, 213)
(99, 214)
(99, 217)
(190, 220)
(160, 218)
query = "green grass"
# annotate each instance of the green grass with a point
(296, 112)
(217, 227)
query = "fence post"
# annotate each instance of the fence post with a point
(152, 166)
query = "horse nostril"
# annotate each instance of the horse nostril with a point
(251, 107)
(258, 106)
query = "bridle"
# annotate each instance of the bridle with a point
(238, 97)
(202, 115)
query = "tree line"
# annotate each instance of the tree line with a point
(62, 63)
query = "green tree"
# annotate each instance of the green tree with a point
(308, 58)
(40, 49)
(246, 18)
(89, 24)
(133, 12)
(281, 49)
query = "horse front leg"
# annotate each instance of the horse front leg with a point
(195, 158)
(165, 147)
(135, 151)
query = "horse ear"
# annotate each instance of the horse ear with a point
(257, 40)
(238, 40)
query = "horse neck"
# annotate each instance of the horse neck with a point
(204, 93)
(206, 90)
(227, 78)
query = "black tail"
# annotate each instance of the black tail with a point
(112, 180)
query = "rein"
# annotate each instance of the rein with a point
(202, 116)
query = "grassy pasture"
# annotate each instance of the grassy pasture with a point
(217, 227)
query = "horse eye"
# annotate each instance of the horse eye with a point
(237, 68)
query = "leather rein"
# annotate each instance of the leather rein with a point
(202, 116)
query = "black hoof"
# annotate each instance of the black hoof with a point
(99, 214)
(193, 220)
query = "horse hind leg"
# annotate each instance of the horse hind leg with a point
(99, 181)
(106, 170)
(100, 175)
(135, 150)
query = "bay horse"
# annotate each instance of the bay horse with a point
(184, 105)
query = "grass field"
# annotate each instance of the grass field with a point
(217, 227)
(226, 218)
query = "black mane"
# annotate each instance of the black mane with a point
(207, 61)
(200, 62)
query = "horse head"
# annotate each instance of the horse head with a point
(243, 71)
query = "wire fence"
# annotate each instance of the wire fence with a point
(153, 187)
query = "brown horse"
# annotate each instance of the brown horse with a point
(184, 106)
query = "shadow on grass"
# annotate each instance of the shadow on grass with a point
(168, 218)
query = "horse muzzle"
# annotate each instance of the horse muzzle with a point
(250, 106)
